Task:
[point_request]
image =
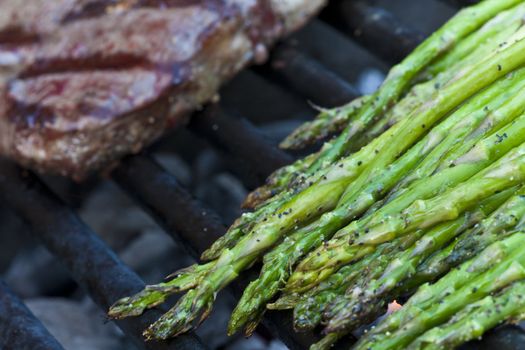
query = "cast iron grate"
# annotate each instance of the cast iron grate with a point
(96, 268)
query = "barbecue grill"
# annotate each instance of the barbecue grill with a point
(96, 268)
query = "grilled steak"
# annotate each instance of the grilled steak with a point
(84, 82)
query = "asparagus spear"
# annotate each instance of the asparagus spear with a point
(497, 226)
(308, 312)
(428, 295)
(309, 309)
(337, 252)
(327, 341)
(509, 269)
(274, 272)
(425, 213)
(325, 124)
(329, 121)
(354, 309)
(334, 285)
(475, 320)
(510, 215)
(283, 176)
(499, 276)
(466, 135)
(280, 180)
(154, 295)
(492, 32)
(430, 269)
(464, 23)
(490, 35)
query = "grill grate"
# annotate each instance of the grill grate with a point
(19, 328)
(91, 263)
(100, 272)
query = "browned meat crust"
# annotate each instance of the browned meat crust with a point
(84, 82)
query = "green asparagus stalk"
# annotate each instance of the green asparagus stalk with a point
(500, 224)
(325, 124)
(465, 22)
(466, 52)
(154, 295)
(420, 93)
(428, 295)
(337, 252)
(334, 285)
(471, 322)
(309, 309)
(499, 276)
(308, 312)
(327, 341)
(481, 41)
(345, 170)
(509, 216)
(354, 309)
(274, 272)
(466, 135)
(239, 229)
(425, 213)
(226, 241)
(431, 269)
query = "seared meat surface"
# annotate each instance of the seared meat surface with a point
(84, 82)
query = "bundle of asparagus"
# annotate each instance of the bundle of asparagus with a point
(424, 184)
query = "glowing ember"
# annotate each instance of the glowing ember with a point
(393, 306)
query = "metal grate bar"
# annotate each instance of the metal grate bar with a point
(91, 263)
(242, 140)
(173, 207)
(19, 328)
(309, 77)
(375, 29)
(461, 3)
(508, 337)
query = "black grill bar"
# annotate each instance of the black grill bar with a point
(374, 28)
(255, 157)
(91, 263)
(461, 3)
(508, 337)
(309, 77)
(159, 193)
(19, 328)
(173, 207)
